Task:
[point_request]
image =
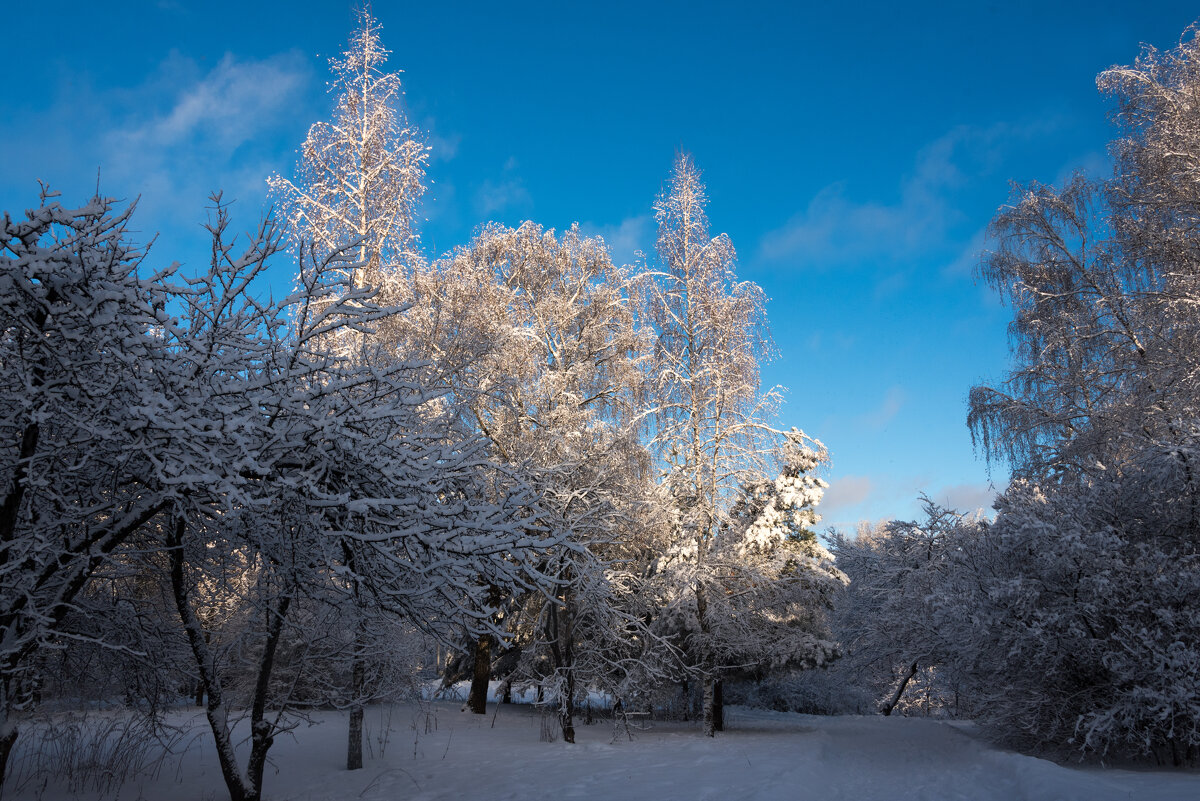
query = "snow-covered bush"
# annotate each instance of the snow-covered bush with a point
(1077, 616)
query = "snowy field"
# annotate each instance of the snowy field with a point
(436, 751)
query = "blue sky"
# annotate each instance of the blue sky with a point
(854, 152)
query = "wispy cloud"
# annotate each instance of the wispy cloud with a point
(878, 496)
(442, 147)
(506, 192)
(967, 498)
(886, 411)
(967, 261)
(841, 341)
(494, 196)
(183, 132)
(626, 239)
(203, 137)
(224, 108)
(855, 498)
(1094, 164)
(835, 229)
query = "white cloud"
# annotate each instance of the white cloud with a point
(1094, 164)
(968, 498)
(228, 106)
(170, 139)
(967, 261)
(441, 147)
(494, 196)
(504, 193)
(190, 146)
(186, 130)
(834, 229)
(846, 492)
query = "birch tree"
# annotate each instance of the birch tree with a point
(1103, 276)
(1076, 589)
(711, 423)
(361, 174)
(557, 394)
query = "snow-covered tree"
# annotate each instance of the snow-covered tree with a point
(1073, 597)
(80, 350)
(710, 422)
(361, 175)
(358, 185)
(1084, 323)
(345, 475)
(1102, 277)
(886, 620)
(557, 395)
(1073, 614)
(770, 583)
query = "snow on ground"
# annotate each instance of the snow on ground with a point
(437, 751)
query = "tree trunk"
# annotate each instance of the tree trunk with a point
(7, 740)
(887, 708)
(261, 730)
(710, 722)
(566, 706)
(215, 710)
(719, 705)
(358, 678)
(707, 663)
(354, 742)
(560, 634)
(566, 714)
(241, 787)
(477, 699)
